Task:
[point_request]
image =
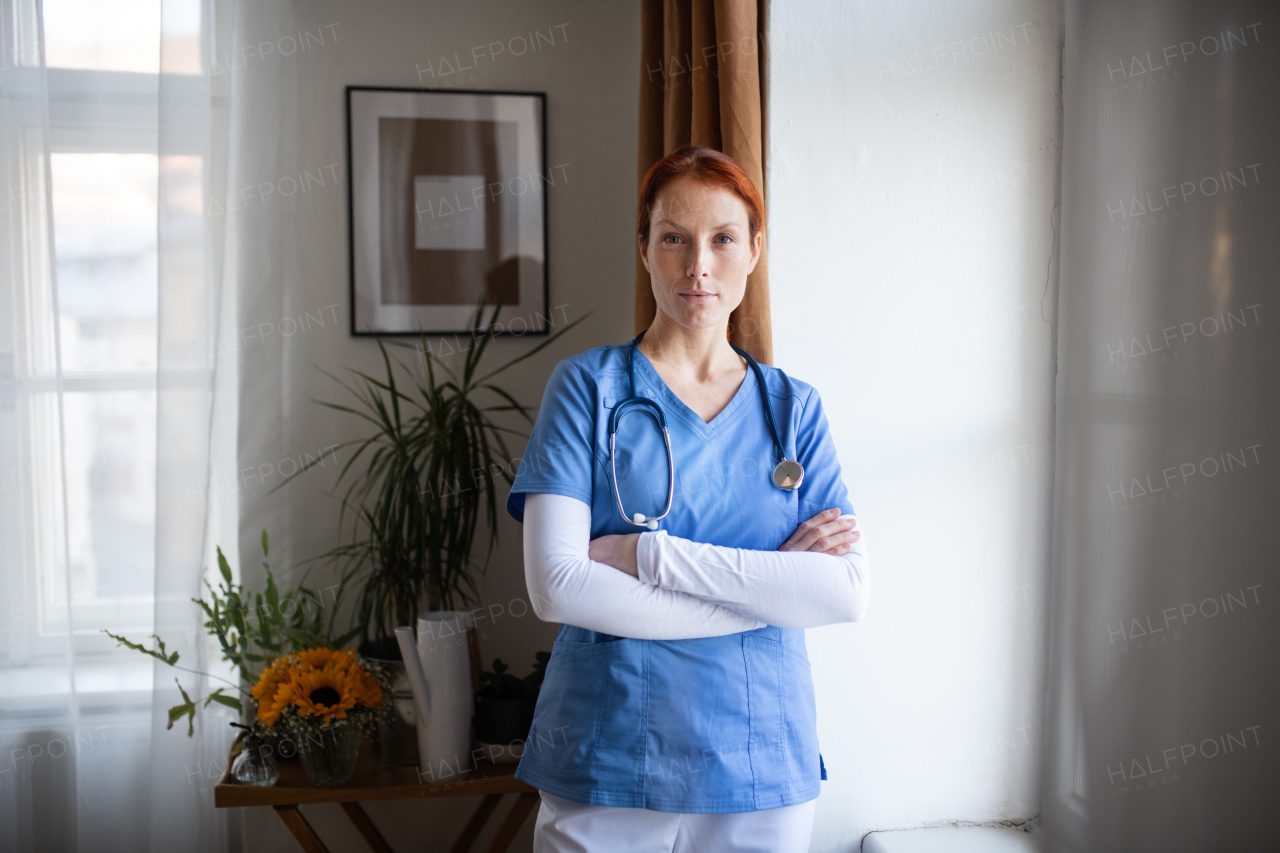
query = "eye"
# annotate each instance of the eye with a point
(670, 237)
(726, 237)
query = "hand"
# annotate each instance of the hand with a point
(617, 550)
(825, 533)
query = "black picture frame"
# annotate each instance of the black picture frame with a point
(479, 115)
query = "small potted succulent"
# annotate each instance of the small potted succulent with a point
(504, 709)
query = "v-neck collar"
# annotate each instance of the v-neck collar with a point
(647, 376)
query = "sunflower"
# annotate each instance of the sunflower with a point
(268, 687)
(318, 683)
(317, 658)
(367, 690)
(324, 693)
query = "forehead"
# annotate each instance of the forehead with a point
(686, 200)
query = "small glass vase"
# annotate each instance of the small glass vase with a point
(255, 764)
(329, 755)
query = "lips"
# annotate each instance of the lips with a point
(697, 297)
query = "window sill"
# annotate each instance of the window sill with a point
(951, 839)
(26, 688)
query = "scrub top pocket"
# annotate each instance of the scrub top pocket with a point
(561, 737)
(621, 707)
(800, 722)
(589, 716)
(769, 746)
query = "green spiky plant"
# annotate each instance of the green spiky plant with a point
(416, 484)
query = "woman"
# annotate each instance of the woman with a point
(677, 710)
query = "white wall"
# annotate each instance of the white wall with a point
(912, 178)
(291, 257)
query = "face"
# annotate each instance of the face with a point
(699, 253)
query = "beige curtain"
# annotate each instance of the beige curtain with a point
(702, 83)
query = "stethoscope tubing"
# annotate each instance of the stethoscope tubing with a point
(650, 522)
(764, 398)
(655, 409)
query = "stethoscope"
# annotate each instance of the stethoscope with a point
(787, 475)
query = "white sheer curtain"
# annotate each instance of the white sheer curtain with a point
(1163, 643)
(117, 412)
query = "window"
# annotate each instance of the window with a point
(103, 35)
(103, 58)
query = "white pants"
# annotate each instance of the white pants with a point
(564, 826)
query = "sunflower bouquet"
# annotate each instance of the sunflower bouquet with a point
(315, 687)
(322, 700)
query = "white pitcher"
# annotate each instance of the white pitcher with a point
(439, 668)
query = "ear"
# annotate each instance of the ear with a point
(643, 255)
(756, 246)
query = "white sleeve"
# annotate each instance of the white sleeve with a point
(567, 586)
(790, 589)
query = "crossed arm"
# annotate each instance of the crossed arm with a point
(659, 587)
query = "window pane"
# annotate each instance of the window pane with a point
(105, 35)
(104, 211)
(111, 475)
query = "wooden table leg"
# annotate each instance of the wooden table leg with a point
(301, 829)
(472, 830)
(512, 822)
(370, 832)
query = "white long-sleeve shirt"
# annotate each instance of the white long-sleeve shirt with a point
(685, 589)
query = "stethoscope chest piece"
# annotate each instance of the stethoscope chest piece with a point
(788, 475)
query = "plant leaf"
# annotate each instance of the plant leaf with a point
(273, 597)
(533, 351)
(222, 699)
(224, 567)
(159, 653)
(187, 709)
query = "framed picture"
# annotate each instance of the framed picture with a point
(447, 209)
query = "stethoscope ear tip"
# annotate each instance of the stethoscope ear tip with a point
(641, 521)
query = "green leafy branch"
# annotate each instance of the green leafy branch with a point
(252, 629)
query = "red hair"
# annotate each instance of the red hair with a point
(707, 165)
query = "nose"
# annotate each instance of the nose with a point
(699, 263)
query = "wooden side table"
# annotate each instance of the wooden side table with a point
(374, 780)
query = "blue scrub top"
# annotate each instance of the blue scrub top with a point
(713, 724)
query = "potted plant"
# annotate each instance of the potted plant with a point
(310, 697)
(504, 708)
(416, 485)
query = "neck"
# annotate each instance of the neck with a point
(703, 353)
